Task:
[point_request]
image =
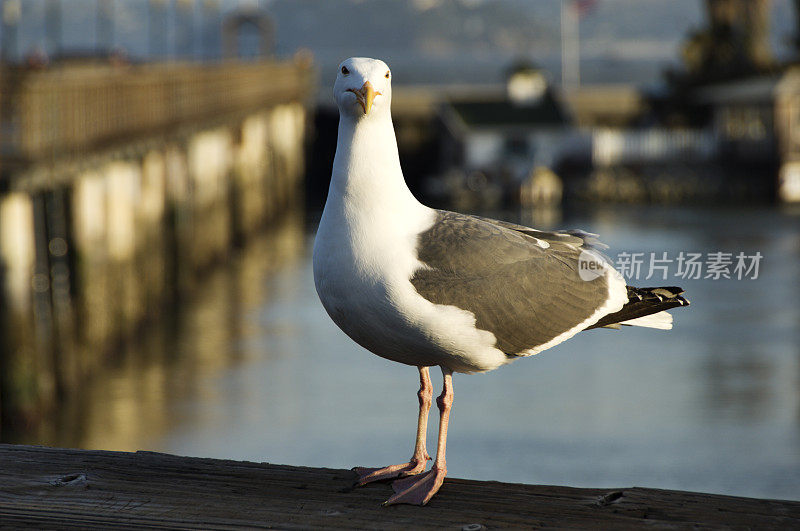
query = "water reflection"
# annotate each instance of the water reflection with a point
(254, 369)
(128, 404)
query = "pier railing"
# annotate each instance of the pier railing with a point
(62, 110)
(53, 488)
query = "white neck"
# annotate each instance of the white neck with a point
(367, 177)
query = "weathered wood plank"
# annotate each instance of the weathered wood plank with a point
(45, 487)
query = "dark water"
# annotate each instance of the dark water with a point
(253, 369)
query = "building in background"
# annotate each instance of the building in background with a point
(493, 142)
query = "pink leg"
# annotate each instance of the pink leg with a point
(420, 489)
(421, 457)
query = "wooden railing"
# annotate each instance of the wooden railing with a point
(148, 489)
(61, 110)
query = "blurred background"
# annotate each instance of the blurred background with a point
(164, 163)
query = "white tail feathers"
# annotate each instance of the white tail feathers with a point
(660, 320)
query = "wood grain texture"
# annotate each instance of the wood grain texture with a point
(56, 488)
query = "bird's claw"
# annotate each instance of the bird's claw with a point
(370, 475)
(417, 490)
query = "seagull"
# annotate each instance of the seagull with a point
(427, 287)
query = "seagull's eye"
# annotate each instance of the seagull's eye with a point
(387, 74)
(345, 71)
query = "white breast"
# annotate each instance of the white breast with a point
(363, 260)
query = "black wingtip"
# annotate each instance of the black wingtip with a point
(643, 302)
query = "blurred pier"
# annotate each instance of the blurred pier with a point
(120, 185)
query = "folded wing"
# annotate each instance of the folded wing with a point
(521, 284)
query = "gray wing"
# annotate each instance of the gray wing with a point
(577, 237)
(524, 292)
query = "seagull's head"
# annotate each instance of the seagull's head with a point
(363, 87)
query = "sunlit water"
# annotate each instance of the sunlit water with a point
(254, 369)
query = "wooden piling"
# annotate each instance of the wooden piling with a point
(18, 389)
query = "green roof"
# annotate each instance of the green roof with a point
(498, 113)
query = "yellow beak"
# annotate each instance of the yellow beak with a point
(365, 95)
